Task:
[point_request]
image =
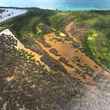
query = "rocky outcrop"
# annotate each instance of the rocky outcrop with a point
(8, 33)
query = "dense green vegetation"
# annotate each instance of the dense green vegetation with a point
(97, 37)
(97, 40)
(30, 24)
(36, 22)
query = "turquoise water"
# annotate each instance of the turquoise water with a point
(59, 4)
(84, 5)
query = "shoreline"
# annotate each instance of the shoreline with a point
(66, 10)
(11, 13)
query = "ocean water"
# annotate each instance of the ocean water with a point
(59, 4)
(84, 5)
